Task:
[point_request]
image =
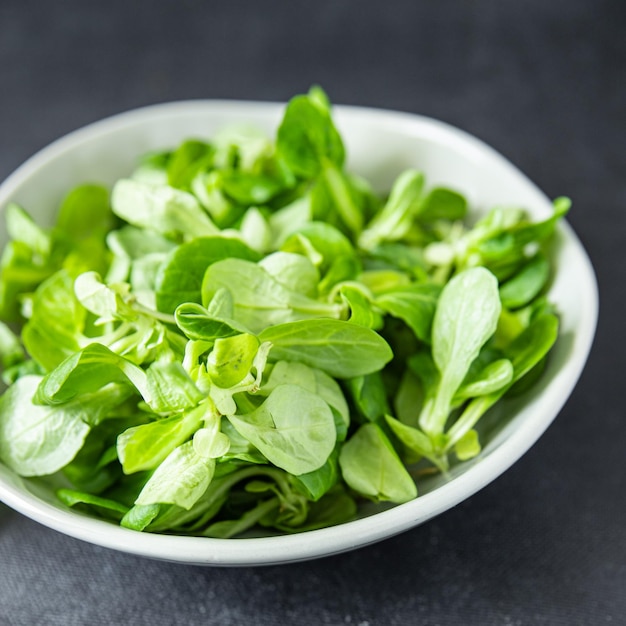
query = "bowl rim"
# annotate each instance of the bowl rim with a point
(360, 532)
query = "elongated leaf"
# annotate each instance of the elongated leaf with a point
(396, 217)
(525, 352)
(54, 330)
(71, 497)
(526, 284)
(198, 324)
(341, 349)
(89, 370)
(145, 447)
(86, 210)
(307, 136)
(466, 317)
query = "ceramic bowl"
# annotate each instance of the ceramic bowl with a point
(380, 144)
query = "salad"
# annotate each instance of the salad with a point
(244, 334)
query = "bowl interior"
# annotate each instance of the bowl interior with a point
(380, 145)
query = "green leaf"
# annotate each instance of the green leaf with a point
(87, 371)
(294, 271)
(370, 466)
(293, 428)
(369, 395)
(170, 388)
(180, 278)
(307, 136)
(160, 208)
(525, 352)
(491, 378)
(54, 331)
(468, 446)
(199, 325)
(414, 305)
(106, 302)
(395, 219)
(318, 482)
(231, 359)
(11, 350)
(225, 529)
(466, 317)
(191, 157)
(21, 227)
(334, 197)
(416, 442)
(181, 479)
(361, 310)
(20, 273)
(71, 497)
(341, 349)
(326, 241)
(85, 211)
(146, 446)
(259, 299)
(250, 189)
(315, 381)
(129, 246)
(335, 507)
(140, 517)
(532, 345)
(443, 204)
(38, 440)
(526, 284)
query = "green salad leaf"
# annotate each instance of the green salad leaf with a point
(242, 334)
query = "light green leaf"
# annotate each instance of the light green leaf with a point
(54, 330)
(160, 208)
(293, 428)
(170, 388)
(341, 349)
(370, 466)
(231, 359)
(396, 217)
(260, 300)
(181, 479)
(468, 446)
(87, 371)
(466, 317)
(146, 446)
(38, 440)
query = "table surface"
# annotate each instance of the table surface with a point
(545, 84)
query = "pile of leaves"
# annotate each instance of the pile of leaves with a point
(244, 333)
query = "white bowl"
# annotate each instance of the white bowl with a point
(380, 144)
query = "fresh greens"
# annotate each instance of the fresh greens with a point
(242, 333)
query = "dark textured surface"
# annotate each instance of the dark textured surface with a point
(544, 83)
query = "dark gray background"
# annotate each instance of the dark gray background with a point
(545, 84)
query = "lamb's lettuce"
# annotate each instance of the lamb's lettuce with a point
(243, 333)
